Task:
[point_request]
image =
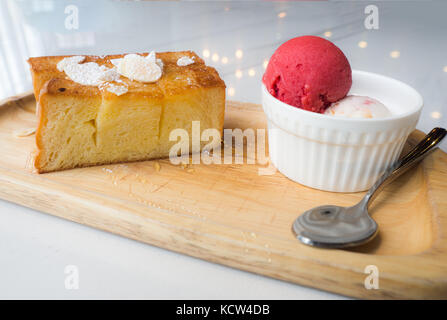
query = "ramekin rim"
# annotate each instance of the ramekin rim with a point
(320, 116)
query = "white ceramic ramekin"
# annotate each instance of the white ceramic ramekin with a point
(341, 154)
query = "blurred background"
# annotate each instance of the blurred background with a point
(236, 37)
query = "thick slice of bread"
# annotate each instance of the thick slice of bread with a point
(83, 125)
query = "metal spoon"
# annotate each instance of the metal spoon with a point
(340, 227)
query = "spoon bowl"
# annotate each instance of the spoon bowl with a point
(332, 226)
(335, 227)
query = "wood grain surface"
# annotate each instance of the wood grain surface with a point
(233, 215)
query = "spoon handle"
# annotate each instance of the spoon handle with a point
(420, 151)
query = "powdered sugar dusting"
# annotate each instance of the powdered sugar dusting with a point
(132, 66)
(69, 61)
(118, 90)
(110, 75)
(116, 62)
(92, 74)
(153, 58)
(89, 74)
(139, 68)
(185, 61)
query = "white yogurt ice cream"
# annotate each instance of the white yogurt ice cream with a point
(358, 107)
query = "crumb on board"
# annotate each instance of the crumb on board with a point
(24, 132)
(29, 164)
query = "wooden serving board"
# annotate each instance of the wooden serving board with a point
(229, 214)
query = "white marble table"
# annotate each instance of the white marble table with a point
(237, 38)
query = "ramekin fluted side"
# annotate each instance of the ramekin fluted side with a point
(340, 155)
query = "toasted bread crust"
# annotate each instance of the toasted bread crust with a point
(199, 75)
